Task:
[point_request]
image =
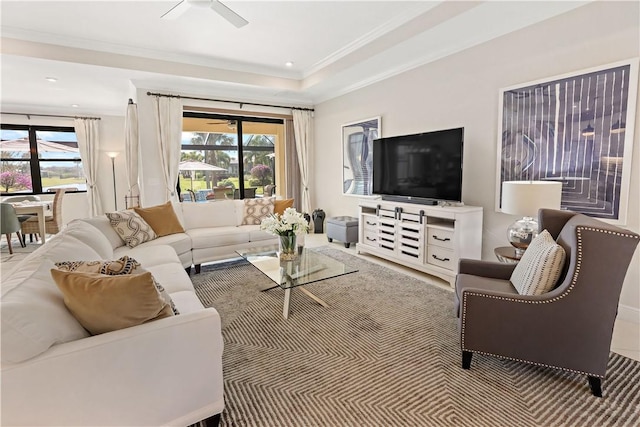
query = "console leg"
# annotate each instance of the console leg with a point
(596, 386)
(466, 359)
(329, 239)
(346, 245)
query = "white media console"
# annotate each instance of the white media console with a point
(427, 238)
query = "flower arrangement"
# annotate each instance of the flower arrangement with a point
(287, 226)
(290, 223)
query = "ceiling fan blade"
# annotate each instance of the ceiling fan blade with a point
(228, 14)
(176, 11)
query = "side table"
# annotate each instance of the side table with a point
(506, 254)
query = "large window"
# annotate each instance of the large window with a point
(39, 159)
(228, 156)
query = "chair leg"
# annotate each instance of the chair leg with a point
(596, 386)
(466, 359)
(8, 235)
(21, 239)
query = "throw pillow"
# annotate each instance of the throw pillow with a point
(280, 205)
(123, 265)
(104, 303)
(161, 218)
(540, 266)
(255, 210)
(131, 227)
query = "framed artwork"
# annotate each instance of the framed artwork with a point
(577, 129)
(357, 156)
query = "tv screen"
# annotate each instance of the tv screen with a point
(425, 165)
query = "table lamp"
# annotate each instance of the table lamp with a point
(525, 198)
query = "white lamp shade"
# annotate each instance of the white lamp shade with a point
(524, 198)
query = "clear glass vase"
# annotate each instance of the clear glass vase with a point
(288, 249)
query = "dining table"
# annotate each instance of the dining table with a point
(37, 208)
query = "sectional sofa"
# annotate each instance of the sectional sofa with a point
(161, 372)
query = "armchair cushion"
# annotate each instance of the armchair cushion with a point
(540, 266)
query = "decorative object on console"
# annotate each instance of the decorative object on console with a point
(525, 198)
(357, 155)
(566, 128)
(286, 226)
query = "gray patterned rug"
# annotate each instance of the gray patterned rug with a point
(385, 353)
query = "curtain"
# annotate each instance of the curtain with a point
(131, 150)
(291, 168)
(87, 133)
(302, 127)
(169, 134)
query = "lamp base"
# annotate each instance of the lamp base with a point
(521, 233)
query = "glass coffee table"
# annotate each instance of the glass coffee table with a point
(308, 267)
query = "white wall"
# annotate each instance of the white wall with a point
(462, 90)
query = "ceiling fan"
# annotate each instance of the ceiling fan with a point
(217, 6)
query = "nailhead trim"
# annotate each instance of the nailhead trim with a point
(574, 279)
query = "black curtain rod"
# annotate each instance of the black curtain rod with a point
(51, 115)
(231, 102)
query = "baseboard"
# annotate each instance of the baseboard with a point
(628, 313)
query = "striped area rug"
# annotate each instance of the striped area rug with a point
(385, 353)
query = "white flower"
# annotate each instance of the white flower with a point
(289, 223)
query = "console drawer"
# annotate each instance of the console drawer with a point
(440, 237)
(370, 237)
(441, 257)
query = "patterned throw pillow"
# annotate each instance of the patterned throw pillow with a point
(121, 266)
(540, 266)
(131, 227)
(255, 210)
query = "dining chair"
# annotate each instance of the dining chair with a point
(9, 224)
(23, 198)
(52, 224)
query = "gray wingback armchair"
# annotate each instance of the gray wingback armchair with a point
(568, 328)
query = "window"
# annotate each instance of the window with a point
(219, 149)
(39, 159)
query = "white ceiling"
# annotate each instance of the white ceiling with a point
(100, 50)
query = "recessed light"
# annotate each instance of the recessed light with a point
(289, 63)
(51, 79)
(75, 105)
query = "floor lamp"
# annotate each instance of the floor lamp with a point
(112, 155)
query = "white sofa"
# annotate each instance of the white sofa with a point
(213, 231)
(163, 372)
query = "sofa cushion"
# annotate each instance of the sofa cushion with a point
(255, 234)
(540, 266)
(162, 218)
(104, 303)
(180, 243)
(210, 214)
(218, 236)
(131, 227)
(280, 205)
(147, 256)
(255, 210)
(34, 316)
(118, 267)
(172, 277)
(187, 302)
(89, 235)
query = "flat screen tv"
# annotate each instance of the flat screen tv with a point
(422, 168)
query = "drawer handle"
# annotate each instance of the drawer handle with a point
(446, 239)
(370, 223)
(370, 239)
(440, 259)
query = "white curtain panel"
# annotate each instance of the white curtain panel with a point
(302, 127)
(131, 148)
(291, 168)
(87, 132)
(169, 134)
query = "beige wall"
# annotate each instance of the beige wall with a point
(462, 90)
